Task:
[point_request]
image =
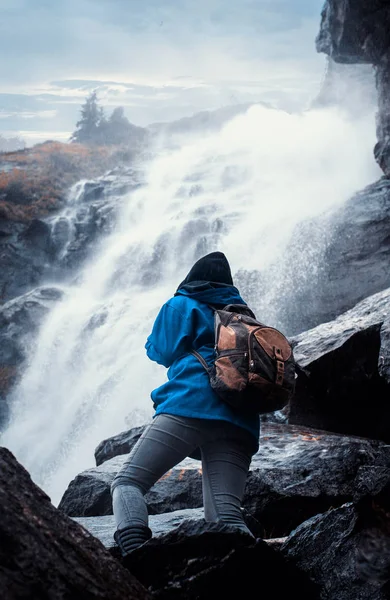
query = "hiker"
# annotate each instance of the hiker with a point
(190, 419)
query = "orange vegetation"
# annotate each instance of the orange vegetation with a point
(33, 181)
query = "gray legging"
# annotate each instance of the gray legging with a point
(226, 456)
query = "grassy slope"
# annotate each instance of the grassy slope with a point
(33, 181)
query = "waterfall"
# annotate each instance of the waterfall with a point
(241, 190)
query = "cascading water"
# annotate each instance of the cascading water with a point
(241, 190)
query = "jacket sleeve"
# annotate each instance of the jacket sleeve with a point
(170, 337)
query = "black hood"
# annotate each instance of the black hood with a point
(212, 269)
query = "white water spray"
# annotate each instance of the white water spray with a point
(242, 191)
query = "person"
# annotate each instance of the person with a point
(190, 419)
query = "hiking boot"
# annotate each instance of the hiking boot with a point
(131, 538)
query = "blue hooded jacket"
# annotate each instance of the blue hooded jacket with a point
(186, 322)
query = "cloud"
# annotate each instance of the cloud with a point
(24, 114)
(161, 59)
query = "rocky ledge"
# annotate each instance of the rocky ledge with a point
(357, 31)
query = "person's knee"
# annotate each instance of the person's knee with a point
(123, 480)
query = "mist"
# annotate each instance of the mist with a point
(241, 190)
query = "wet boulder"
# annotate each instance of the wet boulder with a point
(44, 554)
(104, 527)
(88, 494)
(20, 319)
(198, 560)
(117, 445)
(352, 543)
(343, 371)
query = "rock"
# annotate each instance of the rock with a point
(297, 473)
(331, 263)
(19, 321)
(357, 255)
(382, 147)
(199, 560)
(356, 31)
(93, 190)
(118, 444)
(37, 236)
(104, 527)
(352, 543)
(50, 237)
(44, 554)
(343, 370)
(90, 214)
(89, 493)
(22, 265)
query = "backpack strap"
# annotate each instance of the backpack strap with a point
(201, 360)
(199, 356)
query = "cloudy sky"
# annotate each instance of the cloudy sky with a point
(160, 59)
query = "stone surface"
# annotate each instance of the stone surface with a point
(104, 527)
(343, 369)
(352, 543)
(331, 263)
(44, 554)
(356, 31)
(19, 321)
(341, 554)
(89, 493)
(207, 561)
(118, 444)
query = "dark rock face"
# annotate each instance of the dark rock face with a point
(356, 259)
(88, 217)
(89, 493)
(227, 569)
(356, 31)
(352, 543)
(33, 251)
(341, 554)
(103, 527)
(117, 445)
(332, 263)
(343, 380)
(301, 472)
(19, 321)
(44, 554)
(24, 253)
(382, 148)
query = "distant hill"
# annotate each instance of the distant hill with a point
(204, 121)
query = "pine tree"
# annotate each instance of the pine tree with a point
(119, 128)
(88, 127)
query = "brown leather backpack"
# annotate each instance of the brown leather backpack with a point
(254, 367)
